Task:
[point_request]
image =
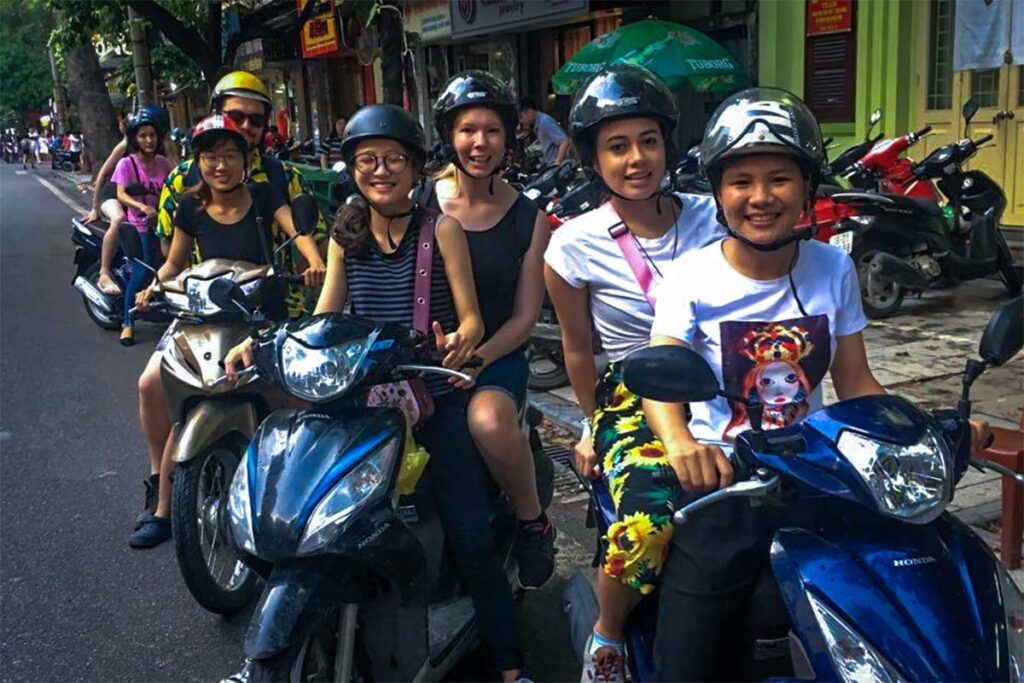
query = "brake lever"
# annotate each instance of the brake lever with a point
(759, 486)
(239, 375)
(415, 367)
(981, 465)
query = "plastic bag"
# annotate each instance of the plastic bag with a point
(414, 461)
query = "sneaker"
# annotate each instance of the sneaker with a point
(606, 665)
(152, 532)
(243, 675)
(152, 488)
(535, 553)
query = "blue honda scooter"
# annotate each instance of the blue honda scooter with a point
(879, 582)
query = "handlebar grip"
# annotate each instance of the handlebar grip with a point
(474, 362)
(983, 139)
(923, 131)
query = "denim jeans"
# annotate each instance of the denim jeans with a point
(458, 479)
(139, 275)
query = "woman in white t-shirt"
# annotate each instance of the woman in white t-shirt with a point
(621, 123)
(771, 314)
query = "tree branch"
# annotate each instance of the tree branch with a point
(181, 36)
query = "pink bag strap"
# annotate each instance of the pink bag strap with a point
(637, 263)
(424, 266)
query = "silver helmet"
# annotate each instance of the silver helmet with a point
(762, 120)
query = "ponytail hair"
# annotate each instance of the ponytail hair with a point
(351, 229)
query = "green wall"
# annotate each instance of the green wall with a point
(886, 54)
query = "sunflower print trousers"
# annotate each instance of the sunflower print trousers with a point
(630, 455)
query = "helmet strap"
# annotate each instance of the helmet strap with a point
(490, 176)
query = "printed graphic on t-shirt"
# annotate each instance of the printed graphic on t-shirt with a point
(777, 364)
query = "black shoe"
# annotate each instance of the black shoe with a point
(152, 489)
(534, 551)
(153, 531)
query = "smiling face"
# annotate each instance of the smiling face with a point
(478, 136)
(389, 184)
(762, 196)
(778, 384)
(629, 154)
(222, 165)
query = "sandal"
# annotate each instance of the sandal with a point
(108, 286)
(127, 336)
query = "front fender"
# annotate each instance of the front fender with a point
(209, 422)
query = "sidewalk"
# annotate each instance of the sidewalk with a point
(920, 354)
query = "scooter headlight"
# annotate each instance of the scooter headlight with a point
(1013, 609)
(239, 508)
(911, 483)
(852, 657)
(321, 374)
(360, 487)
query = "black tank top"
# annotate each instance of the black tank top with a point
(497, 255)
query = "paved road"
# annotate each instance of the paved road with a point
(77, 603)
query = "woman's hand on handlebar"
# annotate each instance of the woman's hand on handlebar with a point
(92, 216)
(314, 275)
(456, 348)
(981, 435)
(700, 467)
(143, 297)
(586, 458)
(241, 354)
(148, 210)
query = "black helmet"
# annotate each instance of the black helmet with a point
(146, 116)
(475, 88)
(620, 91)
(762, 120)
(384, 121)
(158, 114)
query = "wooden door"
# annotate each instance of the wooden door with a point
(1013, 129)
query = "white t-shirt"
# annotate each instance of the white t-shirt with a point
(752, 333)
(585, 255)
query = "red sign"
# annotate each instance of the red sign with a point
(829, 16)
(320, 33)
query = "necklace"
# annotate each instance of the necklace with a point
(675, 241)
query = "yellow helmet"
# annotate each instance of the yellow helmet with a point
(239, 84)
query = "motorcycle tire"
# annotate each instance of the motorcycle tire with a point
(108, 321)
(311, 660)
(193, 521)
(67, 166)
(547, 367)
(1008, 273)
(879, 304)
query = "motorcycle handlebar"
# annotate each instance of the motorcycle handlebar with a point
(923, 131)
(983, 139)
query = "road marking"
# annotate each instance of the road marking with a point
(21, 173)
(61, 195)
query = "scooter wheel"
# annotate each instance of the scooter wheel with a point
(547, 367)
(311, 659)
(880, 299)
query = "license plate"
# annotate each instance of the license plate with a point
(843, 240)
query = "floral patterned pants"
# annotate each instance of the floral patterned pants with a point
(630, 455)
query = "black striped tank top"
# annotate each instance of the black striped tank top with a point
(381, 287)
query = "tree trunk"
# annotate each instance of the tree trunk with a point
(391, 46)
(60, 102)
(144, 90)
(95, 111)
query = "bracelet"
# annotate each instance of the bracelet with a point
(585, 425)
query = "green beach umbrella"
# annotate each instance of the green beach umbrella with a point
(680, 55)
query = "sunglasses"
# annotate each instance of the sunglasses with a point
(239, 117)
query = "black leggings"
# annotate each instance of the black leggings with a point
(459, 479)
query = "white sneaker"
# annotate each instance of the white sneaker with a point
(243, 675)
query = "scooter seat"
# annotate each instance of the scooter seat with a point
(926, 207)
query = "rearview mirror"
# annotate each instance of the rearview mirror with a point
(1004, 335)
(131, 243)
(876, 116)
(227, 294)
(672, 374)
(970, 109)
(305, 214)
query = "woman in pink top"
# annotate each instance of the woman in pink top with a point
(139, 177)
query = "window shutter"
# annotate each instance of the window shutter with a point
(830, 74)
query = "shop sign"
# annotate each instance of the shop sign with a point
(320, 33)
(431, 19)
(249, 56)
(829, 16)
(470, 17)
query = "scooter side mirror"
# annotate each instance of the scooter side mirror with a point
(971, 107)
(876, 116)
(227, 294)
(305, 214)
(1003, 337)
(673, 374)
(131, 243)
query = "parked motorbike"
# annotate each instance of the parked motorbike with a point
(214, 419)
(103, 309)
(359, 582)
(879, 582)
(910, 245)
(64, 160)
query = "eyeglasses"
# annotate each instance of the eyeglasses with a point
(239, 117)
(369, 163)
(215, 160)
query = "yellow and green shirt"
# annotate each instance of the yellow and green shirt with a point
(175, 186)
